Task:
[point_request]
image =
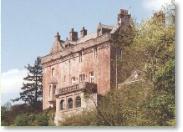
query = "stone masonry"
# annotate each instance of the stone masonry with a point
(80, 65)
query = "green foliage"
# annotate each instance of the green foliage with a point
(152, 51)
(5, 121)
(118, 108)
(32, 88)
(123, 107)
(32, 120)
(157, 41)
(41, 120)
(23, 114)
(23, 120)
(162, 104)
(149, 47)
(85, 118)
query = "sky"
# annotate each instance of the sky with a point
(28, 28)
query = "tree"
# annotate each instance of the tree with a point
(5, 112)
(157, 40)
(32, 86)
(124, 106)
(122, 40)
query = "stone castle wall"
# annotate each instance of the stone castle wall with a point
(96, 60)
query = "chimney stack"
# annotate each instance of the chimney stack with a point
(159, 17)
(83, 32)
(57, 36)
(123, 17)
(73, 35)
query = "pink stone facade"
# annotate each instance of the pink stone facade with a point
(76, 66)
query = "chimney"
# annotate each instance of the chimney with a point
(83, 32)
(159, 17)
(123, 17)
(57, 36)
(73, 35)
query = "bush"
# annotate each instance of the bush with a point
(32, 120)
(86, 118)
(23, 120)
(41, 120)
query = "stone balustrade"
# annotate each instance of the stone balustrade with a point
(84, 86)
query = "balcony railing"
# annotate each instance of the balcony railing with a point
(84, 86)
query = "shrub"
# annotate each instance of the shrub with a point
(41, 120)
(23, 120)
(32, 120)
(86, 118)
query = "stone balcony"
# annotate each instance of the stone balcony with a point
(84, 86)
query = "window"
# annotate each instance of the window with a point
(70, 103)
(95, 52)
(54, 89)
(52, 72)
(81, 77)
(73, 80)
(78, 101)
(50, 91)
(64, 78)
(121, 53)
(61, 104)
(80, 56)
(92, 77)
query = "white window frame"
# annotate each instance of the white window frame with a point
(92, 77)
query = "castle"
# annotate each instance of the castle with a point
(81, 65)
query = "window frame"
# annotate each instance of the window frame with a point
(82, 77)
(73, 80)
(70, 103)
(95, 52)
(62, 104)
(92, 77)
(53, 72)
(78, 98)
(80, 56)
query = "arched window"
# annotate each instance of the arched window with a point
(70, 103)
(61, 104)
(78, 101)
